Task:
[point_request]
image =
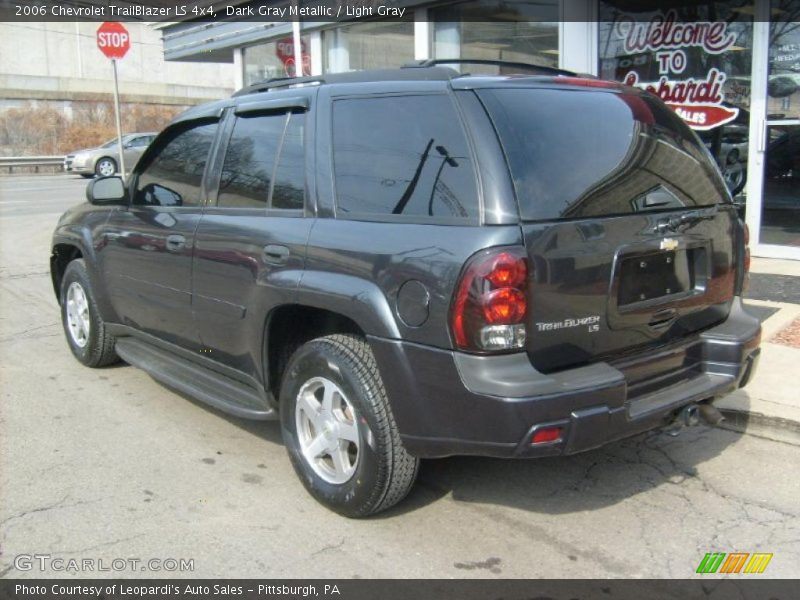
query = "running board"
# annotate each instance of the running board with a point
(210, 387)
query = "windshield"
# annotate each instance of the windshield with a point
(584, 153)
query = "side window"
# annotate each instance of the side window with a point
(402, 156)
(290, 177)
(174, 175)
(139, 142)
(250, 161)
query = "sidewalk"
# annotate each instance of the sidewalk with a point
(769, 406)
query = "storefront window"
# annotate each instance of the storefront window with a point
(516, 31)
(274, 59)
(780, 205)
(783, 91)
(697, 58)
(371, 45)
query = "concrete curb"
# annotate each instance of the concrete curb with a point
(757, 424)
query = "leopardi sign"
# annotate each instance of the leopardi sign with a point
(697, 100)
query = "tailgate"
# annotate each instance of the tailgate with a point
(601, 289)
(628, 225)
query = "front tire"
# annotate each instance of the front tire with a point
(105, 167)
(83, 326)
(339, 430)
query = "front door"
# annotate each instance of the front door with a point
(147, 253)
(250, 244)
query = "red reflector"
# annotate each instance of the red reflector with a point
(546, 434)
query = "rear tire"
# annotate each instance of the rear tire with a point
(333, 400)
(83, 326)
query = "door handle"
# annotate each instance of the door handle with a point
(275, 254)
(176, 242)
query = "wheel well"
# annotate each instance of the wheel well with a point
(63, 254)
(289, 327)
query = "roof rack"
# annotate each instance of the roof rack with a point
(432, 62)
(433, 73)
(430, 69)
(276, 82)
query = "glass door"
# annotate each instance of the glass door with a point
(774, 212)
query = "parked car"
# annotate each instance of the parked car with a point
(104, 160)
(413, 263)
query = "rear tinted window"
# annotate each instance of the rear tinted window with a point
(576, 154)
(403, 156)
(250, 160)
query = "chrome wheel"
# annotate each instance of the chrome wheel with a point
(78, 319)
(733, 173)
(106, 167)
(327, 430)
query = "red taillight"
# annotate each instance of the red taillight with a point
(504, 306)
(507, 270)
(546, 434)
(746, 261)
(490, 304)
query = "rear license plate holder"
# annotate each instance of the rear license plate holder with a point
(656, 275)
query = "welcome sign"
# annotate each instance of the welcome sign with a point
(698, 100)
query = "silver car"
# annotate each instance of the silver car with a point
(104, 160)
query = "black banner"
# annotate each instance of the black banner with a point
(336, 10)
(401, 589)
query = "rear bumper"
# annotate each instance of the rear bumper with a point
(449, 403)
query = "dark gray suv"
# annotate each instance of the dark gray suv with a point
(418, 263)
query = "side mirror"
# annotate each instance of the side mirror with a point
(107, 190)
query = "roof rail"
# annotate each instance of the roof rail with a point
(276, 82)
(433, 73)
(432, 62)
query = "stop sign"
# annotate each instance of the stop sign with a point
(113, 39)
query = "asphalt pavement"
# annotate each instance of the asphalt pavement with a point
(108, 464)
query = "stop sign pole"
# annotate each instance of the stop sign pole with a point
(114, 41)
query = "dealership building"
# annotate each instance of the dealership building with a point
(730, 69)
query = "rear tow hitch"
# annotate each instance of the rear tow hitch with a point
(690, 415)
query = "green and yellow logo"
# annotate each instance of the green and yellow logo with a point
(734, 562)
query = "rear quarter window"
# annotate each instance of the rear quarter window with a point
(581, 153)
(402, 156)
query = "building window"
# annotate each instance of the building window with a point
(783, 90)
(520, 32)
(372, 45)
(695, 57)
(780, 207)
(274, 59)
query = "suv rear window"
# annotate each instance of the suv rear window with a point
(402, 155)
(586, 153)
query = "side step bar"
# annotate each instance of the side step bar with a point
(214, 389)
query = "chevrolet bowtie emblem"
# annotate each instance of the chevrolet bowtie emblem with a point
(669, 244)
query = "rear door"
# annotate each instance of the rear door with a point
(627, 223)
(250, 245)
